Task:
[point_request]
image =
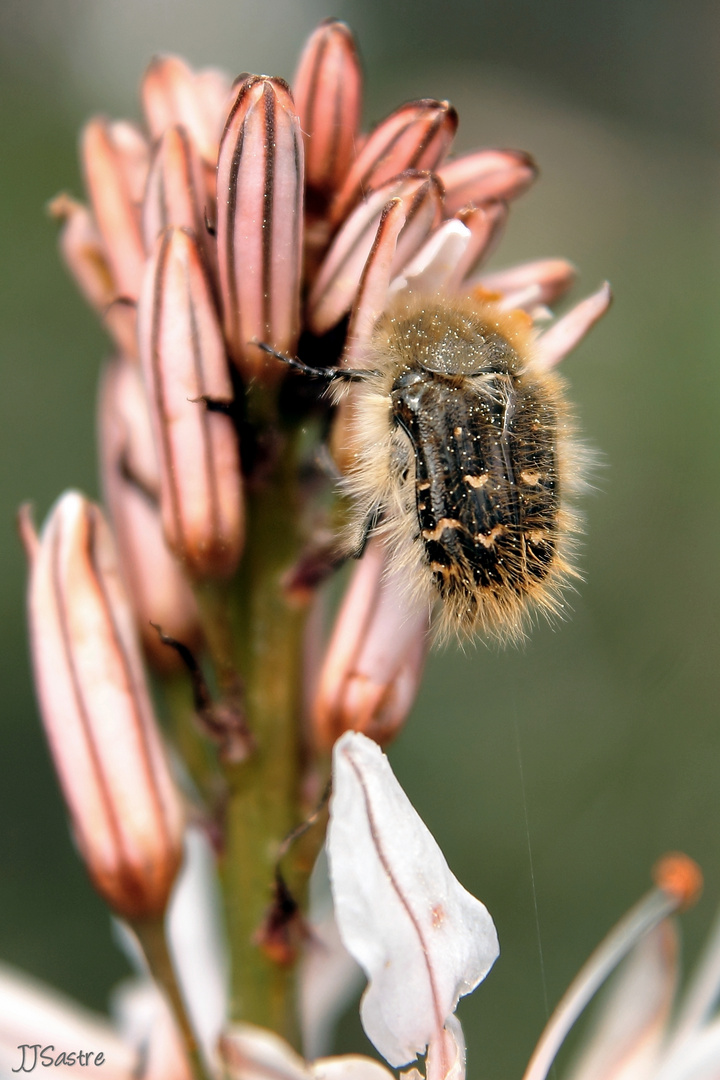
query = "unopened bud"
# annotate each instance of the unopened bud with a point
(125, 809)
(375, 658)
(259, 225)
(341, 271)
(172, 93)
(486, 175)
(185, 370)
(159, 591)
(176, 192)
(416, 136)
(328, 95)
(83, 251)
(115, 161)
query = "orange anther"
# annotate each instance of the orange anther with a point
(680, 877)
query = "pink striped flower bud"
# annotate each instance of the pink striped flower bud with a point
(328, 95)
(172, 94)
(259, 226)
(374, 662)
(176, 192)
(185, 370)
(486, 175)
(338, 279)
(115, 161)
(125, 809)
(82, 250)
(159, 591)
(416, 136)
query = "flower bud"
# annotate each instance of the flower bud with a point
(83, 251)
(176, 192)
(340, 273)
(328, 96)
(125, 809)
(415, 136)
(172, 93)
(159, 592)
(259, 226)
(486, 175)
(185, 370)
(115, 160)
(375, 658)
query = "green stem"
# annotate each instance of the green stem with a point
(263, 798)
(198, 754)
(151, 934)
(213, 598)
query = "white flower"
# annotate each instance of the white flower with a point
(421, 938)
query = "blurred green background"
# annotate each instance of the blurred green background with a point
(553, 775)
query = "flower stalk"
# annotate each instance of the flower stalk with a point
(262, 801)
(151, 935)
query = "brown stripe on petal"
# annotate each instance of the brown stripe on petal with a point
(386, 863)
(268, 199)
(231, 195)
(205, 420)
(184, 360)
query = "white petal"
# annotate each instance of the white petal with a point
(33, 1014)
(697, 1058)
(329, 977)
(194, 927)
(446, 1056)
(252, 1053)
(434, 266)
(349, 1067)
(420, 937)
(147, 1023)
(631, 1026)
(703, 991)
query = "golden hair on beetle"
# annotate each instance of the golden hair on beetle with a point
(464, 459)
